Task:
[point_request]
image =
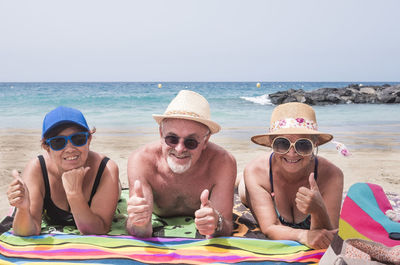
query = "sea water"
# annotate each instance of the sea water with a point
(241, 108)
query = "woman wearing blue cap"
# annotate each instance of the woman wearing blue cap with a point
(69, 184)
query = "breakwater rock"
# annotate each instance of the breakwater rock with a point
(347, 95)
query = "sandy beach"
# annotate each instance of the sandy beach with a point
(375, 165)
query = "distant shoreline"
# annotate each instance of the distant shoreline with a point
(179, 82)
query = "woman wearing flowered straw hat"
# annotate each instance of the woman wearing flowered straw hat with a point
(293, 193)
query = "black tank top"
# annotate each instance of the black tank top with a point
(55, 215)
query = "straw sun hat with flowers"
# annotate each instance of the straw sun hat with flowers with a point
(292, 118)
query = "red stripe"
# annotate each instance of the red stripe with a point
(364, 224)
(380, 197)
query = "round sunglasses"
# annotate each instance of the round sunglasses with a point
(303, 146)
(58, 143)
(190, 143)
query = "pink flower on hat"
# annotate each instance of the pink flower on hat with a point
(292, 118)
(293, 123)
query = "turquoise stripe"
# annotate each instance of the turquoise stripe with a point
(363, 196)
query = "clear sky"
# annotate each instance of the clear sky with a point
(204, 40)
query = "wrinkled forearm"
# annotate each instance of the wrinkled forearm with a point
(281, 232)
(24, 224)
(144, 231)
(86, 221)
(320, 219)
(227, 228)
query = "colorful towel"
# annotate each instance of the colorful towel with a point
(65, 245)
(365, 233)
(363, 215)
(130, 250)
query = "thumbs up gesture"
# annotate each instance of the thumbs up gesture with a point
(309, 200)
(206, 218)
(139, 210)
(204, 199)
(17, 193)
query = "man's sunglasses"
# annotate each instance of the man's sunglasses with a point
(173, 140)
(58, 143)
(303, 146)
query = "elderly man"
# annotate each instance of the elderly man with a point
(183, 174)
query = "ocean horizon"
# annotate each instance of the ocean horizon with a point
(241, 108)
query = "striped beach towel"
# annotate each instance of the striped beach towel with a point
(366, 235)
(363, 215)
(76, 249)
(64, 245)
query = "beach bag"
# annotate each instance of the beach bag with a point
(366, 235)
(360, 252)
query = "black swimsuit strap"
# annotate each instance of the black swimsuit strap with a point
(45, 178)
(271, 180)
(316, 168)
(98, 178)
(47, 195)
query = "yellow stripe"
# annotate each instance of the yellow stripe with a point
(347, 231)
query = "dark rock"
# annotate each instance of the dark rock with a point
(387, 98)
(368, 90)
(355, 86)
(333, 98)
(345, 92)
(360, 98)
(290, 98)
(354, 93)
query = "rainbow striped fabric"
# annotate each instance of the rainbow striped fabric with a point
(363, 215)
(75, 249)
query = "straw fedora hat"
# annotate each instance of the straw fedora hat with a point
(192, 106)
(292, 118)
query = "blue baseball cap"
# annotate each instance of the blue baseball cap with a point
(61, 115)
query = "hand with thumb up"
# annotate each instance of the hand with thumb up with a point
(309, 200)
(17, 193)
(139, 209)
(206, 218)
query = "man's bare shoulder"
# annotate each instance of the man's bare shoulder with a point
(146, 152)
(218, 154)
(142, 163)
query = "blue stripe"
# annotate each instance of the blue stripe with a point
(363, 196)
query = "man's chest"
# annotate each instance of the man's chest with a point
(175, 197)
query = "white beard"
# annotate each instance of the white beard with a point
(176, 168)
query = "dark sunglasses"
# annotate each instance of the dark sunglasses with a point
(303, 146)
(173, 140)
(58, 143)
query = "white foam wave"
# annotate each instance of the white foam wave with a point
(262, 100)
